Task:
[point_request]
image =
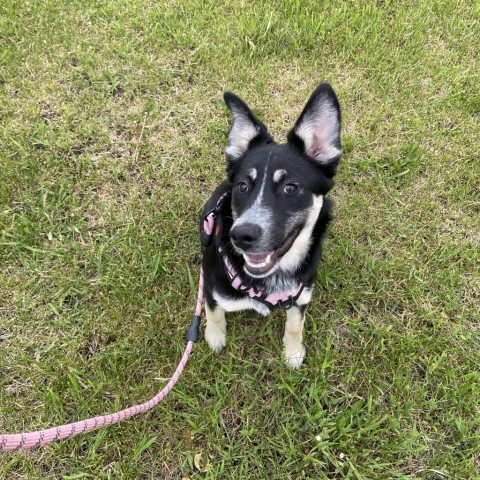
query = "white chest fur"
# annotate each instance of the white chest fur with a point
(235, 305)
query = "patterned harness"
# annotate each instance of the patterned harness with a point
(210, 229)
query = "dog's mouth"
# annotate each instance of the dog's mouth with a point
(261, 263)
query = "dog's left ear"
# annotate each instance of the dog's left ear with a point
(246, 129)
(317, 131)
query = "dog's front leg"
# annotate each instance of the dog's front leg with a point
(294, 349)
(216, 328)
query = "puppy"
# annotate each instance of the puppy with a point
(262, 228)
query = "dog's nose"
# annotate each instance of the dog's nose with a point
(245, 235)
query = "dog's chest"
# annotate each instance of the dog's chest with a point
(274, 285)
(230, 304)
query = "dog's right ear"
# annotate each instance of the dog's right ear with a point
(246, 128)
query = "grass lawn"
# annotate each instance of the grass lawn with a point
(112, 130)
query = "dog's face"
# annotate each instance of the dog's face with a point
(277, 190)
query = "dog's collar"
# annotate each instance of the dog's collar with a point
(210, 229)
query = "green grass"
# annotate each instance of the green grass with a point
(112, 130)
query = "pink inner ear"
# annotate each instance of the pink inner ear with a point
(319, 134)
(317, 149)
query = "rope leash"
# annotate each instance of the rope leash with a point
(42, 437)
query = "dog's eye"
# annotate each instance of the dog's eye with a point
(242, 187)
(290, 188)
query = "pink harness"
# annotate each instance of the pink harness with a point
(283, 300)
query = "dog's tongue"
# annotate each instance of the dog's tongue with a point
(259, 263)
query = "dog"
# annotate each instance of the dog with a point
(263, 227)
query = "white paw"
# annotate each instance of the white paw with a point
(215, 338)
(294, 356)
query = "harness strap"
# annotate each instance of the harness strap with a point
(208, 224)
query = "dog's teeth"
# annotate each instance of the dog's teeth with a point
(257, 265)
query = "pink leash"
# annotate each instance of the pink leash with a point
(41, 437)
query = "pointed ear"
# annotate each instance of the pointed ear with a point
(246, 128)
(317, 130)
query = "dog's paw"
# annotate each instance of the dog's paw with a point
(294, 356)
(215, 339)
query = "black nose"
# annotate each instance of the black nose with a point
(245, 235)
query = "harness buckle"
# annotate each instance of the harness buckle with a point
(285, 305)
(242, 287)
(207, 230)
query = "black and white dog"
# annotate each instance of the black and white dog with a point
(262, 229)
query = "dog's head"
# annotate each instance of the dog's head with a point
(277, 190)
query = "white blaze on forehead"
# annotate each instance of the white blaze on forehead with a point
(257, 213)
(279, 174)
(252, 173)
